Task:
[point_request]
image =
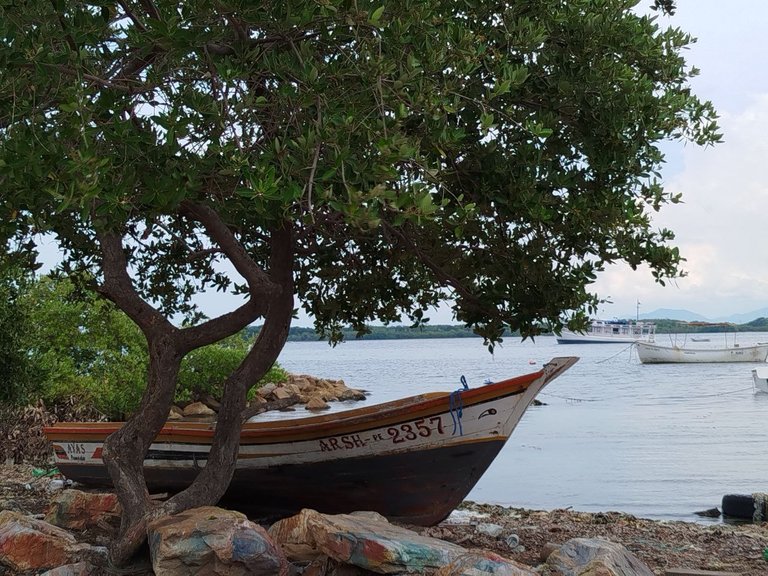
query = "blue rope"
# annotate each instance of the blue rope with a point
(456, 404)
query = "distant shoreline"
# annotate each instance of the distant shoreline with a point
(663, 326)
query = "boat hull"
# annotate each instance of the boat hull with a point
(412, 460)
(610, 332)
(655, 354)
(760, 378)
(568, 337)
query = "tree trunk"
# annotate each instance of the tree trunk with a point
(125, 450)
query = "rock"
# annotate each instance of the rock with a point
(77, 569)
(281, 394)
(317, 403)
(301, 382)
(213, 541)
(266, 390)
(198, 409)
(547, 549)
(368, 542)
(596, 557)
(27, 544)
(352, 394)
(710, 513)
(211, 402)
(485, 564)
(328, 567)
(12, 505)
(77, 510)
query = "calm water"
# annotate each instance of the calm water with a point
(656, 441)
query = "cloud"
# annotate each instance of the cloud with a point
(721, 227)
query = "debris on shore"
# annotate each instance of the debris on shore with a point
(487, 534)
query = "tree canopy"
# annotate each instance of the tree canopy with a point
(499, 154)
(371, 159)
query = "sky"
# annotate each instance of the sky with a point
(722, 225)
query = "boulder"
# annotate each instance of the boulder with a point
(266, 390)
(352, 394)
(77, 569)
(328, 567)
(281, 393)
(198, 409)
(300, 382)
(364, 540)
(596, 557)
(77, 510)
(213, 541)
(27, 544)
(316, 403)
(485, 564)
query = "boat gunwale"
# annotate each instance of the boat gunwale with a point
(673, 348)
(290, 430)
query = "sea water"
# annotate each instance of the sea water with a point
(657, 441)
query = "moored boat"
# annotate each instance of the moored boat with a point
(610, 332)
(760, 378)
(651, 353)
(412, 460)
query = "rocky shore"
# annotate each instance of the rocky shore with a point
(476, 539)
(522, 536)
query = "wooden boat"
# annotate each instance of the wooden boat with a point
(760, 378)
(412, 460)
(651, 353)
(610, 332)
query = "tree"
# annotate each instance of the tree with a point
(373, 160)
(16, 368)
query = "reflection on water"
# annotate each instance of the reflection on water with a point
(658, 441)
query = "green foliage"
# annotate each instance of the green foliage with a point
(80, 346)
(496, 153)
(84, 347)
(203, 371)
(17, 380)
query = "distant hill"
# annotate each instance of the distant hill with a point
(688, 316)
(670, 314)
(744, 318)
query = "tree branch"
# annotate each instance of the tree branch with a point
(261, 287)
(441, 274)
(128, 12)
(118, 288)
(259, 283)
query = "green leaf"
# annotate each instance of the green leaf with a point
(376, 15)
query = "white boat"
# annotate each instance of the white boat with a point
(610, 332)
(760, 377)
(651, 353)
